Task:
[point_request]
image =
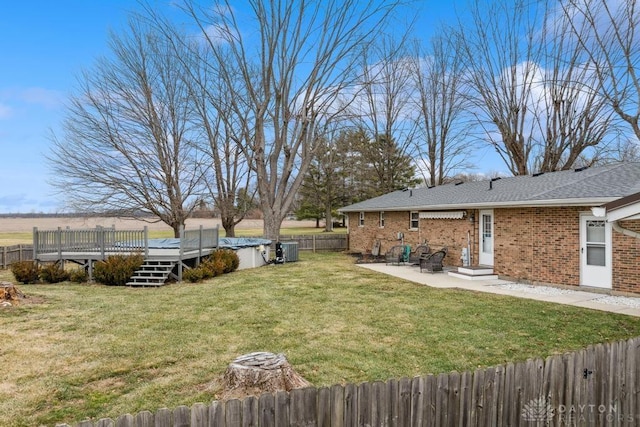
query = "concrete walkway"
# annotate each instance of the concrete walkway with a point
(578, 298)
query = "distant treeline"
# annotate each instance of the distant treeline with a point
(70, 215)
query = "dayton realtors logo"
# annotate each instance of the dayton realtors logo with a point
(540, 410)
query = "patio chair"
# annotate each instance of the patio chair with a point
(432, 262)
(420, 250)
(395, 255)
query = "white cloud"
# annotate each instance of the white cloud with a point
(5, 111)
(40, 96)
(35, 96)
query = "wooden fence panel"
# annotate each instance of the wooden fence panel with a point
(282, 408)
(464, 408)
(394, 403)
(199, 415)
(217, 414)
(267, 410)
(127, 420)
(631, 414)
(324, 407)
(417, 401)
(430, 400)
(250, 412)
(337, 406)
(15, 253)
(319, 242)
(380, 408)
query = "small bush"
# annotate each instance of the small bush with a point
(79, 275)
(229, 258)
(25, 271)
(117, 269)
(53, 273)
(193, 275)
(212, 267)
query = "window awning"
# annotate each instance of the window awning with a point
(442, 215)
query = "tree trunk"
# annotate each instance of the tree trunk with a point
(328, 223)
(229, 225)
(260, 372)
(271, 224)
(176, 230)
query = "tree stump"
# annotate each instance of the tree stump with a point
(260, 372)
(9, 294)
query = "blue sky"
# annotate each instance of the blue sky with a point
(44, 45)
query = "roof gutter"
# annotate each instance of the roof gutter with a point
(617, 227)
(523, 204)
(601, 212)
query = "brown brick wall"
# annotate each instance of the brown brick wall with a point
(538, 245)
(626, 258)
(437, 232)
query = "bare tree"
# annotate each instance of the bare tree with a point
(608, 31)
(383, 109)
(230, 173)
(573, 118)
(289, 63)
(443, 141)
(501, 56)
(535, 99)
(127, 145)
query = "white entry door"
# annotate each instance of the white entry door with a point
(486, 238)
(595, 252)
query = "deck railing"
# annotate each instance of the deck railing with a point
(100, 239)
(199, 239)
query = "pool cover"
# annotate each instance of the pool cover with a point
(241, 242)
(224, 242)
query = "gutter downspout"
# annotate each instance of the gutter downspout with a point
(617, 227)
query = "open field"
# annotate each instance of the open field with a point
(83, 351)
(18, 230)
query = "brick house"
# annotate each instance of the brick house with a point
(579, 227)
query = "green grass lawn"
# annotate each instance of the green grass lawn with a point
(93, 351)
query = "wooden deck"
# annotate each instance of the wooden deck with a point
(87, 246)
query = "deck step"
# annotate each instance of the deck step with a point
(480, 270)
(152, 273)
(474, 273)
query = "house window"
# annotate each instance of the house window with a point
(381, 222)
(414, 220)
(361, 220)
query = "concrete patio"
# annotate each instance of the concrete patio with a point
(595, 299)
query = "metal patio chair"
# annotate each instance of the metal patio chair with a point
(433, 262)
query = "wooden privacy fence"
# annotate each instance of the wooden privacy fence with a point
(15, 253)
(597, 386)
(319, 242)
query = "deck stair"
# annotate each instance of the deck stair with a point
(481, 272)
(152, 273)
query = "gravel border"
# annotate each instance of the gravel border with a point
(633, 302)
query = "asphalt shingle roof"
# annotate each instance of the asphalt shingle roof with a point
(587, 187)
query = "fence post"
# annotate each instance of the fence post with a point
(4, 257)
(36, 243)
(100, 239)
(59, 242)
(180, 254)
(146, 242)
(313, 239)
